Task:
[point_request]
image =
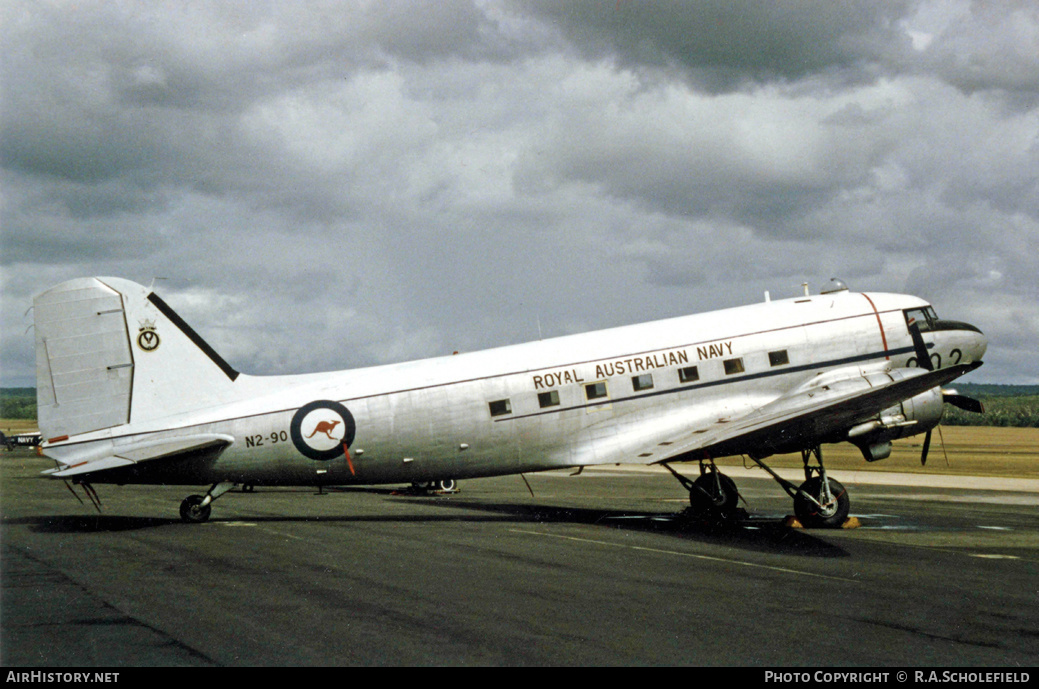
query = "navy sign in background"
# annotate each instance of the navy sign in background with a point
(322, 430)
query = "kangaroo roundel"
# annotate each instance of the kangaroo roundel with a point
(322, 430)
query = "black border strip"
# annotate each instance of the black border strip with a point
(192, 335)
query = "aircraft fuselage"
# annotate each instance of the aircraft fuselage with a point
(612, 396)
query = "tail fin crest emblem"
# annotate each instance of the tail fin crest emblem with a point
(147, 336)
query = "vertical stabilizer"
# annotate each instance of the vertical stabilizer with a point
(111, 352)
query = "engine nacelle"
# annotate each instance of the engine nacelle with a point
(915, 415)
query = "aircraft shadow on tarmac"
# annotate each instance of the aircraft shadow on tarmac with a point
(745, 532)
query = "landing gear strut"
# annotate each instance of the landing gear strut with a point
(195, 509)
(822, 502)
(713, 493)
(819, 501)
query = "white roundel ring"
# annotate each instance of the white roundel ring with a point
(322, 430)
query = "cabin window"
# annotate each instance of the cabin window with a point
(733, 366)
(643, 382)
(595, 391)
(779, 358)
(688, 374)
(500, 407)
(548, 399)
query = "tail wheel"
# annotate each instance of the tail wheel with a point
(833, 511)
(192, 511)
(721, 494)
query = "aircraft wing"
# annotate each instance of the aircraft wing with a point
(104, 458)
(805, 416)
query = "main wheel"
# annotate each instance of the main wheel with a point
(192, 511)
(832, 514)
(722, 495)
(448, 485)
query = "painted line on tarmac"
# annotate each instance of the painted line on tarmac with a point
(710, 558)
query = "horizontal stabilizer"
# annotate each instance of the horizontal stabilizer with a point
(88, 467)
(168, 448)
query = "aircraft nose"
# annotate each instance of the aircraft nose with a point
(980, 345)
(976, 342)
(970, 339)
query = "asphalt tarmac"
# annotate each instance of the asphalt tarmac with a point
(604, 568)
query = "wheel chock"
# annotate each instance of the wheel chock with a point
(792, 522)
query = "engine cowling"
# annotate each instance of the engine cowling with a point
(915, 415)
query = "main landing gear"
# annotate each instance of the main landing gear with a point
(196, 508)
(713, 494)
(819, 502)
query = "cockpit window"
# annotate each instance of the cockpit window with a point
(925, 317)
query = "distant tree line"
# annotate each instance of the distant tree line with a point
(1005, 405)
(18, 403)
(1020, 411)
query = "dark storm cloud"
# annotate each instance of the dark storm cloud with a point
(724, 45)
(92, 91)
(988, 46)
(338, 184)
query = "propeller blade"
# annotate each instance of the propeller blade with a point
(927, 446)
(923, 359)
(963, 402)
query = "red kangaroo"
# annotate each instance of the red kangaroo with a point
(325, 427)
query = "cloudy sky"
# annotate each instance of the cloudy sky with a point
(324, 185)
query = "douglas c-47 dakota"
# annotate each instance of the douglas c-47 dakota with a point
(128, 393)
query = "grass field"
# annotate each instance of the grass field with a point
(12, 426)
(971, 450)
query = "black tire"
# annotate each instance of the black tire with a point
(192, 512)
(832, 515)
(722, 497)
